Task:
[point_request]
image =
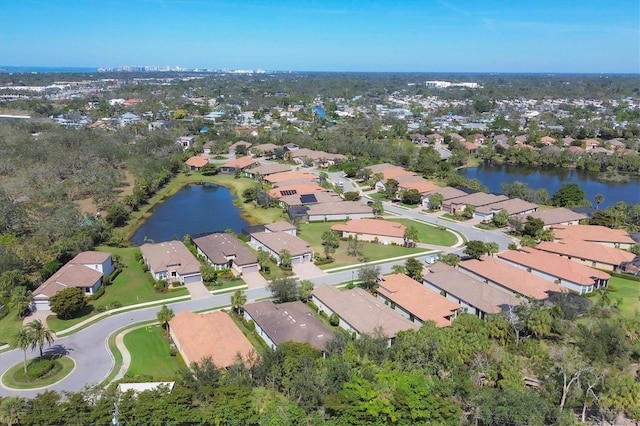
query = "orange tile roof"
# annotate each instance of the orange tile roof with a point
(212, 335)
(372, 227)
(511, 277)
(559, 267)
(593, 233)
(198, 161)
(416, 182)
(588, 251)
(283, 191)
(240, 163)
(292, 174)
(418, 300)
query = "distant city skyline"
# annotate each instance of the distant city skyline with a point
(545, 36)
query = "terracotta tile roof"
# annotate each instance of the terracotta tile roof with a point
(289, 322)
(321, 197)
(547, 140)
(240, 163)
(295, 182)
(362, 311)
(479, 199)
(240, 143)
(512, 278)
(90, 257)
(283, 191)
(372, 227)
(593, 233)
(212, 335)
(278, 241)
(588, 251)
(557, 215)
(339, 207)
(389, 171)
(69, 276)
(289, 175)
(170, 253)
(198, 161)
(220, 246)
(470, 146)
(447, 192)
(416, 182)
(418, 300)
(316, 155)
(280, 226)
(473, 292)
(265, 147)
(559, 267)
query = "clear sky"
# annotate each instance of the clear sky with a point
(594, 36)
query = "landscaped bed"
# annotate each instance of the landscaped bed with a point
(40, 372)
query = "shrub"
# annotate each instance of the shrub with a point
(40, 367)
(312, 306)
(101, 309)
(161, 286)
(334, 319)
(98, 293)
(116, 305)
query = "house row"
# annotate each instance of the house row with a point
(85, 271)
(171, 261)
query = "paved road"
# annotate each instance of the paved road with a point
(469, 231)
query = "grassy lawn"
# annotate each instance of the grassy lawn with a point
(429, 234)
(227, 284)
(259, 345)
(9, 326)
(626, 290)
(150, 353)
(312, 233)
(378, 196)
(453, 217)
(130, 287)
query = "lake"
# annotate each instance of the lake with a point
(492, 177)
(193, 210)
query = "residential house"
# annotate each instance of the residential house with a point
(264, 150)
(129, 118)
(471, 148)
(475, 297)
(171, 261)
(475, 200)
(223, 250)
(340, 210)
(436, 138)
(304, 199)
(186, 142)
(290, 147)
(275, 243)
(234, 147)
(388, 171)
(615, 238)
(457, 138)
(382, 231)
(302, 187)
(197, 162)
(263, 170)
(238, 165)
(588, 253)
(207, 147)
(418, 183)
(281, 226)
(359, 312)
(508, 278)
(547, 140)
(558, 216)
(416, 302)
(572, 275)
(567, 141)
(287, 322)
(213, 335)
(85, 271)
(290, 175)
(591, 144)
(513, 206)
(447, 192)
(319, 159)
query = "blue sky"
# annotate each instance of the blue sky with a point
(595, 36)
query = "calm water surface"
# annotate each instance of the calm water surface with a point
(192, 210)
(552, 179)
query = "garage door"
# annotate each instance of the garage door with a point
(192, 279)
(41, 305)
(251, 268)
(296, 260)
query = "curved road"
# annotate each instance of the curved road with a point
(89, 347)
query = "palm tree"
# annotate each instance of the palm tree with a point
(39, 335)
(165, 315)
(238, 300)
(22, 341)
(599, 199)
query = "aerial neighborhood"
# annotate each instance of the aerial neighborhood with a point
(232, 240)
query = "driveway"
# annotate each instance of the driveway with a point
(254, 280)
(197, 290)
(307, 270)
(37, 315)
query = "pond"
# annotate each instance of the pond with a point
(194, 209)
(551, 179)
